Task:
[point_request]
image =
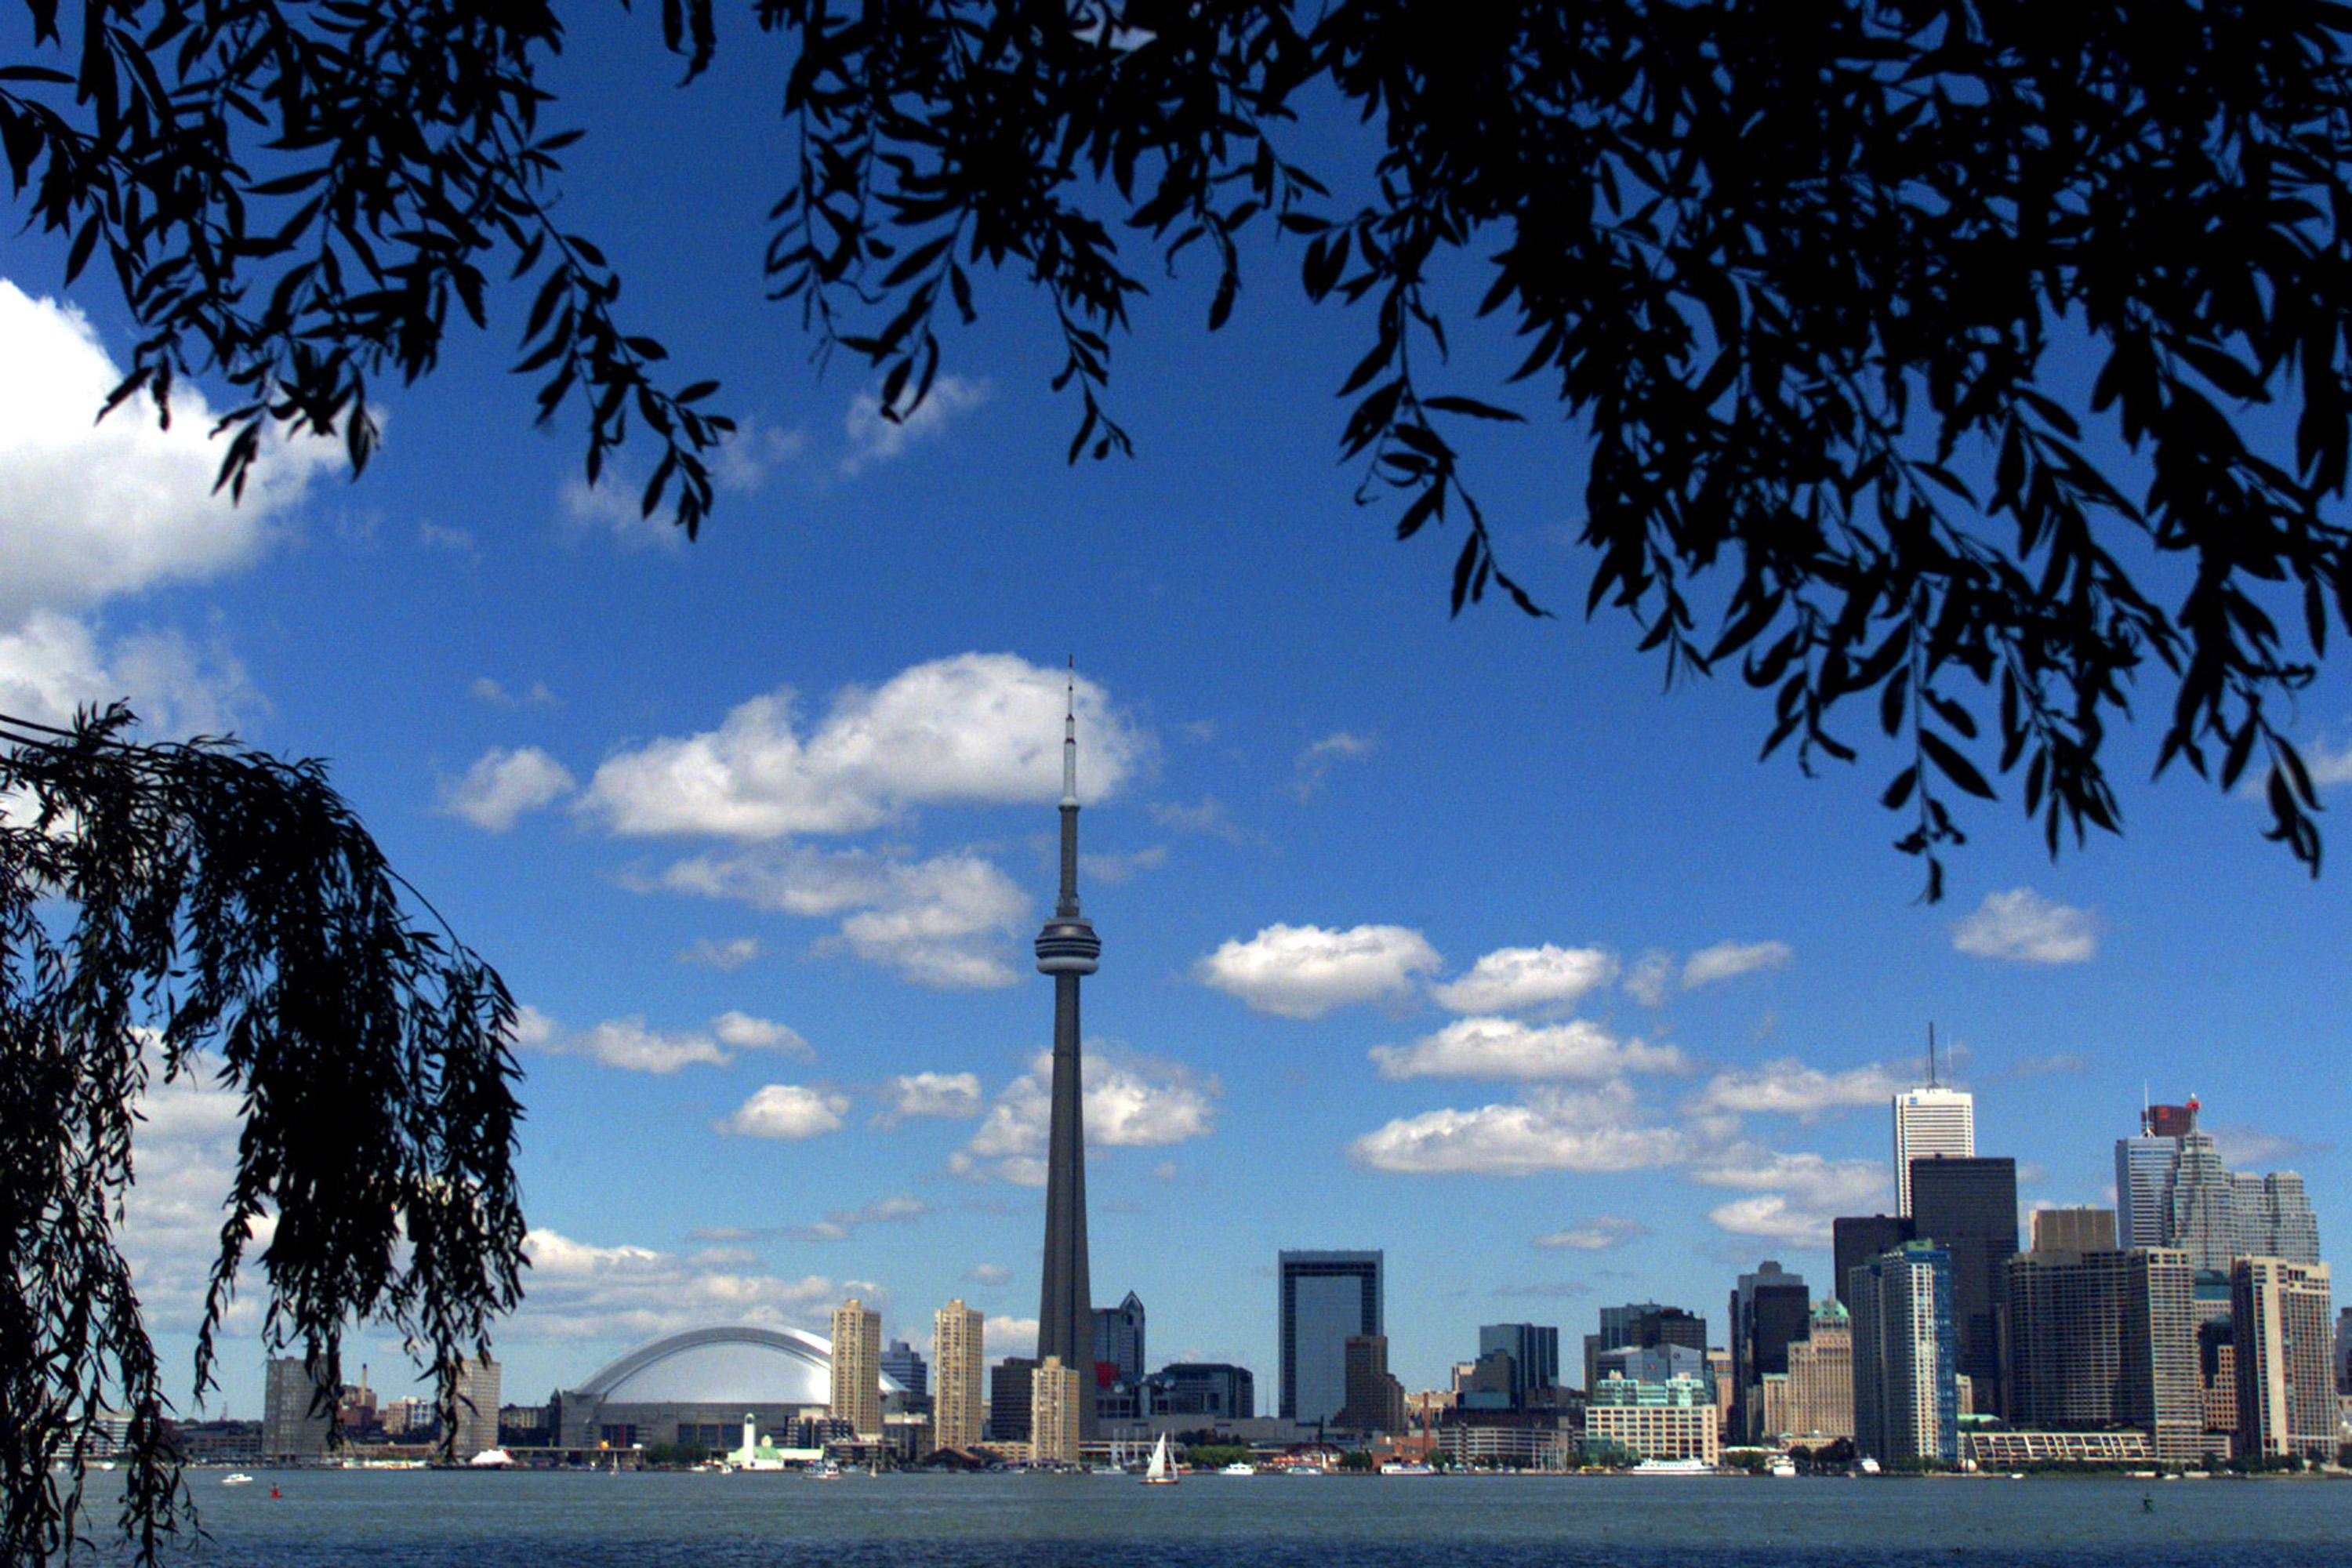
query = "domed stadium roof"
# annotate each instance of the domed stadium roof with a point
(726, 1365)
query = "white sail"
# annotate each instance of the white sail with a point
(1158, 1469)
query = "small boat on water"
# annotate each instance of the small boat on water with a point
(1238, 1469)
(1160, 1472)
(1783, 1469)
(237, 1478)
(1408, 1468)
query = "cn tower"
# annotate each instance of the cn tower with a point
(1066, 948)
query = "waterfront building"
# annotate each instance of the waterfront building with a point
(1673, 1419)
(857, 1368)
(904, 1365)
(1010, 1386)
(297, 1411)
(1500, 1440)
(2217, 1371)
(1855, 1239)
(2008, 1450)
(1534, 1352)
(695, 1388)
(1326, 1299)
(2105, 1338)
(2279, 1315)
(1118, 1340)
(1056, 1402)
(1641, 1323)
(1375, 1400)
(959, 1413)
(1769, 1312)
(1906, 1395)
(1218, 1389)
(1968, 1207)
(1930, 1122)
(478, 1388)
(2075, 1230)
(1819, 1399)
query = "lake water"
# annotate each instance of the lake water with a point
(427, 1520)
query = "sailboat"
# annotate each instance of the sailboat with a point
(1160, 1472)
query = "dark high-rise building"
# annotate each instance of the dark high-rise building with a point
(1217, 1389)
(1534, 1349)
(1857, 1238)
(296, 1414)
(905, 1363)
(1769, 1308)
(1010, 1384)
(1968, 1208)
(2100, 1338)
(1375, 1399)
(1066, 948)
(1326, 1298)
(1643, 1325)
(1118, 1340)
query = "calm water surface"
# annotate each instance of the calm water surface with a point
(426, 1519)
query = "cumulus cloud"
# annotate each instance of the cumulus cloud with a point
(1209, 818)
(788, 1110)
(1305, 972)
(1794, 1196)
(2248, 1148)
(873, 439)
(1100, 866)
(1651, 978)
(484, 689)
(1509, 1048)
(582, 1290)
(949, 921)
(97, 508)
(615, 505)
(1009, 1337)
(1313, 766)
(1727, 960)
(842, 1223)
(1598, 1233)
(1516, 979)
(989, 1274)
(184, 1150)
(724, 956)
(1130, 1103)
(2023, 927)
(502, 786)
(1790, 1087)
(628, 1043)
(975, 729)
(51, 664)
(1553, 1130)
(755, 449)
(950, 1096)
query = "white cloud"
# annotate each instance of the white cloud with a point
(1100, 865)
(990, 1274)
(724, 956)
(788, 1110)
(746, 458)
(614, 505)
(1794, 1196)
(97, 508)
(1598, 1233)
(874, 439)
(1509, 1048)
(1130, 1103)
(1727, 960)
(1009, 1337)
(1210, 818)
(1305, 972)
(628, 1043)
(1598, 1129)
(502, 786)
(975, 729)
(950, 1096)
(579, 1291)
(2043, 1066)
(52, 664)
(1651, 979)
(841, 1224)
(949, 921)
(2248, 1148)
(2024, 927)
(1515, 979)
(484, 689)
(1313, 766)
(1790, 1087)
(185, 1149)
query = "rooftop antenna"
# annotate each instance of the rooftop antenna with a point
(1931, 1053)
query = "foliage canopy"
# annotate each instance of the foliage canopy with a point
(1806, 281)
(204, 912)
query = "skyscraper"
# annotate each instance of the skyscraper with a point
(1326, 1298)
(2203, 1220)
(1820, 1376)
(1119, 1339)
(1906, 1396)
(1930, 1122)
(2276, 1219)
(2073, 1230)
(2100, 1338)
(905, 1366)
(1067, 948)
(1769, 1312)
(957, 1405)
(479, 1394)
(857, 1368)
(1056, 1406)
(295, 1414)
(1855, 1239)
(1011, 1382)
(2286, 1389)
(2144, 1189)
(1969, 1207)
(1640, 1324)
(1534, 1349)
(1375, 1399)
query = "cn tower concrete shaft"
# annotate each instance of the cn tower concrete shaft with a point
(1067, 948)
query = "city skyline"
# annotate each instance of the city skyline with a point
(1456, 938)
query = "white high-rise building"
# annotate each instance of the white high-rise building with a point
(2144, 1190)
(1930, 1121)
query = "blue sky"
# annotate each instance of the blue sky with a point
(1457, 937)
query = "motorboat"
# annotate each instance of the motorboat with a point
(237, 1478)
